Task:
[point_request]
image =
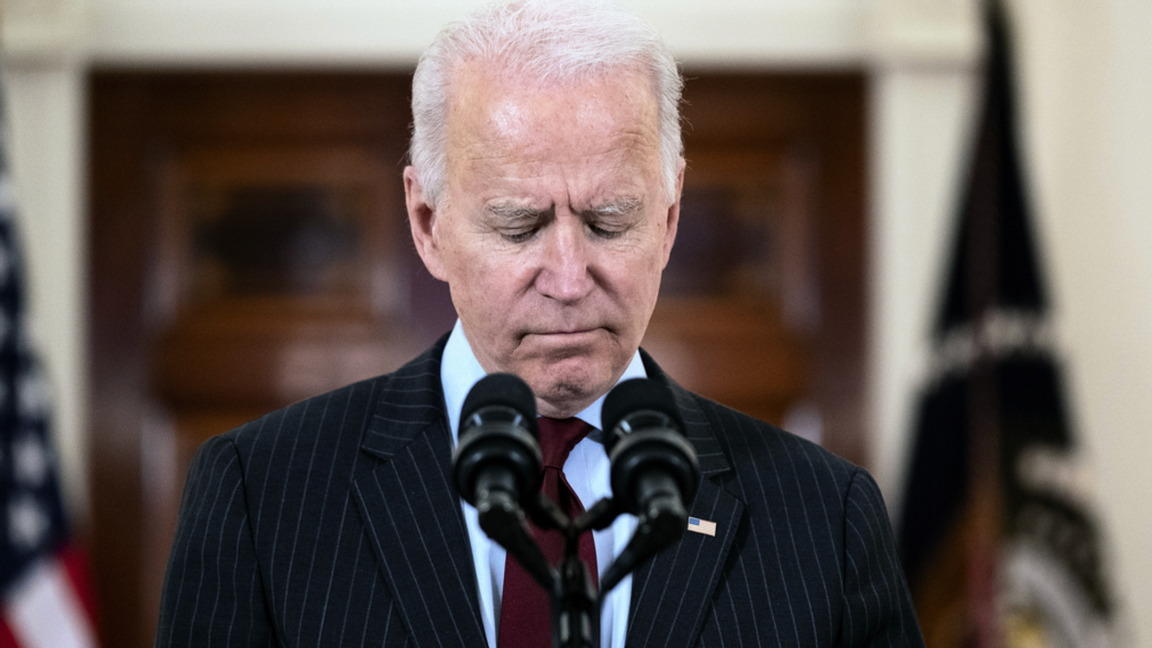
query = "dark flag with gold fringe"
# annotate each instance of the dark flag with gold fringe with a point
(997, 534)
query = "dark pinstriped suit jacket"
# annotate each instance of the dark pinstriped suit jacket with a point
(332, 523)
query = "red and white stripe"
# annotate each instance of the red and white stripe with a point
(51, 606)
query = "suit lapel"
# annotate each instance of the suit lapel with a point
(413, 517)
(412, 513)
(672, 592)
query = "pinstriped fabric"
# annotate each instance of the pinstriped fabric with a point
(803, 546)
(698, 430)
(273, 548)
(333, 523)
(429, 563)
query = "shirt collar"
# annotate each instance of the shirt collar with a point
(460, 370)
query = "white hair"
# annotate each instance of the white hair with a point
(559, 41)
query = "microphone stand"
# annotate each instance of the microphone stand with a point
(576, 602)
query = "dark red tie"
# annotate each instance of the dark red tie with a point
(525, 608)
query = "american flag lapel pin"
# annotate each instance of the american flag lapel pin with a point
(702, 526)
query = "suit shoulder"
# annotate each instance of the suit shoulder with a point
(325, 411)
(746, 440)
(342, 412)
(727, 438)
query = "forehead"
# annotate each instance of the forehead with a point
(493, 114)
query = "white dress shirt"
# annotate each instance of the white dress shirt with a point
(587, 473)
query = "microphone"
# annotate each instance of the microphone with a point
(654, 470)
(497, 459)
(497, 466)
(653, 467)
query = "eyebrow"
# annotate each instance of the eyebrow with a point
(512, 212)
(617, 207)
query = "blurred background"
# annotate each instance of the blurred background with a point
(212, 214)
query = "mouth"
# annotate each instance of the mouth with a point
(568, 338)
(568, 332)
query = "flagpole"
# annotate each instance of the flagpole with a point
(984, 268)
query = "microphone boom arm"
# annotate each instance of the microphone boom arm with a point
(503, 521)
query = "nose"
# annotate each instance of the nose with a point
(565, 273)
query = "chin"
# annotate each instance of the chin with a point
(569, 392)
(555, 388)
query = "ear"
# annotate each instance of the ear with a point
(673, 214)
(422, 220)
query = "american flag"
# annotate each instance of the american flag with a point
(47, 600)
(702, 526)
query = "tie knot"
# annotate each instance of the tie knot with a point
(558, 437)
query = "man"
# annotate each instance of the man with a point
(544, 189)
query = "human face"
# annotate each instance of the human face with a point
(553, 229)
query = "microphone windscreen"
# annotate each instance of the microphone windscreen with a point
(500, 389)
(636, 395)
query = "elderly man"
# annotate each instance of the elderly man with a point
(544, 189)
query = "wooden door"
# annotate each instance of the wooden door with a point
(762, 305)
(249, 248)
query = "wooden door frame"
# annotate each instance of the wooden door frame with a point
(129, 128)
(136, 117)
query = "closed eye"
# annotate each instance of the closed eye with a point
(603, 232)
(612, 219)
(516, 223)
(518, 237)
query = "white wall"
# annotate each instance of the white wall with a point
(1088, 77)
(44, 110)
(1087, 83)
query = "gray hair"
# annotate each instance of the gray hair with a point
(553, 41)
